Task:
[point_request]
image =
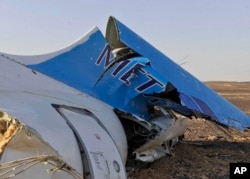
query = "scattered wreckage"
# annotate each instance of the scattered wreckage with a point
(93, 108)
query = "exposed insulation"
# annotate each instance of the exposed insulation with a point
(9, 126)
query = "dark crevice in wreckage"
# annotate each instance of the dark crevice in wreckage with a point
(86, 169)
(139, 132)
(170, 100)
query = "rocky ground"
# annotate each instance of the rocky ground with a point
(207, 148)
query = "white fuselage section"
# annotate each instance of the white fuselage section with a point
(30, 96)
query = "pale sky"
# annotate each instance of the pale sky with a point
(209, 38)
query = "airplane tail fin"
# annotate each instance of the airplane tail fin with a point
(128, 72)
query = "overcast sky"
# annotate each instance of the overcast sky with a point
(209, 38)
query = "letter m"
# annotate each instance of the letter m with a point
(104, 56)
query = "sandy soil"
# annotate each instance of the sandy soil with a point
(207, 148)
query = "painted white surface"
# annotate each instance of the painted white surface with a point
(102, 152)
(28, 96)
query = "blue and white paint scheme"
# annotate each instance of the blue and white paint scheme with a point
(62, 130)
(107, 97)
(130, 83)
